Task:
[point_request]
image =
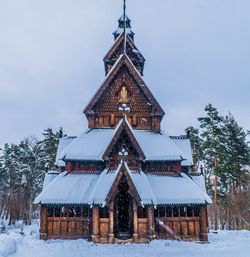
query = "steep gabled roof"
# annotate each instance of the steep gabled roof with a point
(123, 171)
(123, 125)
(73, 188)
(124, 60)
(117, 44)
(154, 146)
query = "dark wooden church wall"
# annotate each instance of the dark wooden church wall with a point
(85, 166)
(170, 168)
(187, 223)
(141, 109)
(65, 222)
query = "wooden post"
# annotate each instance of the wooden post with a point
(96, 233)
(156, 124)
(112, 119)
(111, 223)
(135, 235)
(43, 225)
(91, 119)
(203, 224)
(151, 224)
(134, 120)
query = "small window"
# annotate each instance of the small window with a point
(142, 212)
(57, 211)
(64, 212)
(50, 211)
(196, 211)
(183, 211)
(85, 212)
(162, 211)
(104, 212)
(71, 212)
(78, 211)
(189, 211)
(168, 212)
(176, 212)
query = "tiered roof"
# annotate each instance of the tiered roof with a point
(92, 145)
(124, 87)
(75, 188)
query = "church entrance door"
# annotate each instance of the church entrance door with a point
(123, 212)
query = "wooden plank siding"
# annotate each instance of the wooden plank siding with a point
(186, 228)
(67, 228)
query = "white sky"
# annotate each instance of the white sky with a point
(197, 52)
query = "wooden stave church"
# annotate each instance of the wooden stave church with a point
(124, 179)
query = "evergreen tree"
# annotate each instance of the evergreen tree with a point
(10, 171)
(196, 142)
(34, 165)
(50, 144)
(22, 169)
(235, 152)
(212, 134)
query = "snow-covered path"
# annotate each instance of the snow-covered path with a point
(223, 244)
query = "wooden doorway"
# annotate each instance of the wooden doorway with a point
(123, 207)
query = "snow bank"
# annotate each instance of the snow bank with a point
(7, 245)
(222, 244)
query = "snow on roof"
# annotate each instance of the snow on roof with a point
(103, 185)
(142, 185)
(185, 145)
(73, 188)
(200, 181)
(89, 145)
(63, 143)
(49, 176)
(177, 190)
(68, 188)
(201, 187)
(158, 146)
(92, 144)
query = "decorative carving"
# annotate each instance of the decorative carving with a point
(123, 96)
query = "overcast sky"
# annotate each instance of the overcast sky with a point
(197, 52)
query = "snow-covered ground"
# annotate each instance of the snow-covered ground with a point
(223, 244)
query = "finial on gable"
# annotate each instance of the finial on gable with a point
(124, 24)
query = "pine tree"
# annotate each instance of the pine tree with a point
(232, 168)
(10, 170)
(22, 170)
(212, 134)
(236, 151)
(50, 144)
(35, 161)
(196, 142)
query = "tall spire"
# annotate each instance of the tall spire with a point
(124, 19)
(121, 24)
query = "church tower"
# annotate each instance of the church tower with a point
(124, 87)
(124, 179)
